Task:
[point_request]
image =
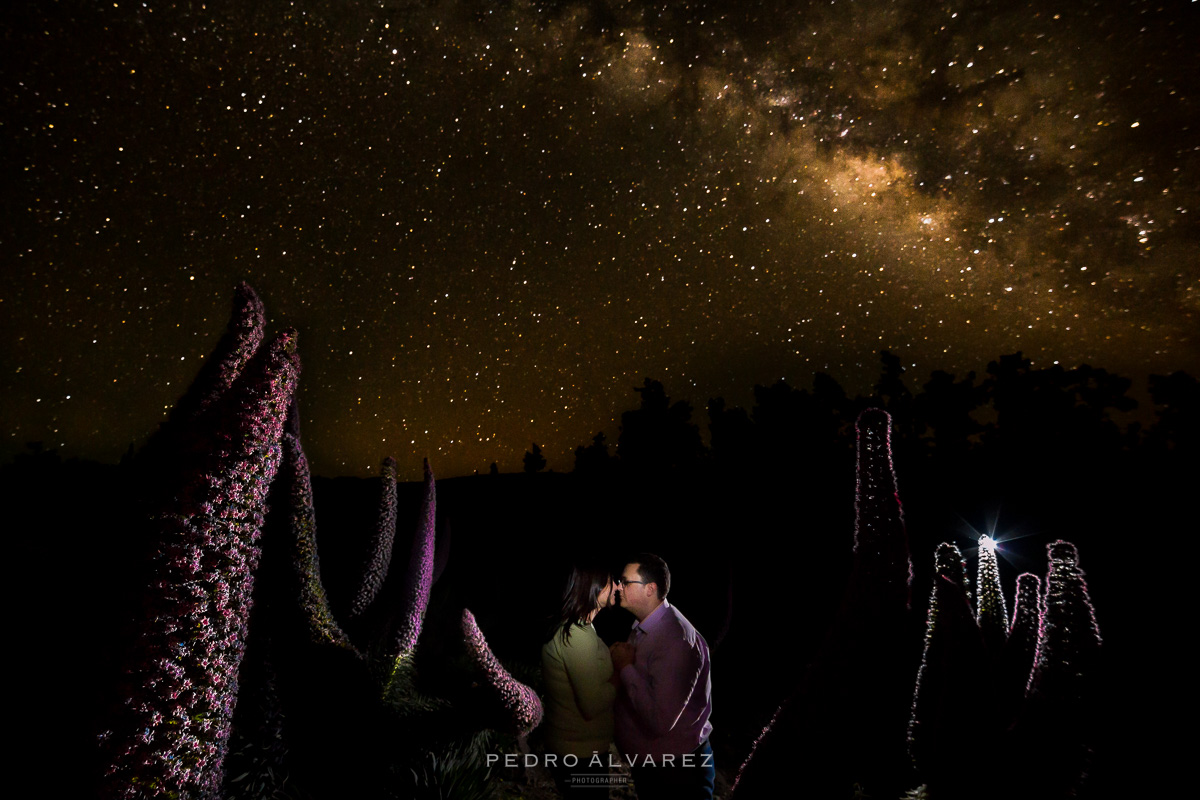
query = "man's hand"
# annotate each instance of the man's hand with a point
(622, 655)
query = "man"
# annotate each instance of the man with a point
(664, 690)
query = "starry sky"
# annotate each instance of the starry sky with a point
(490, 220)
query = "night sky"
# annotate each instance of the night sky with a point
(489, 221)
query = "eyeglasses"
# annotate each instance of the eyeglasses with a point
(623, 581)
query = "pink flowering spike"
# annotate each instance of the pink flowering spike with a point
(379, 549)
(880, 541)
(419, 579)
(182, 442)
(946, 701)
(991, 612)
(322, 627)
(1068, 636)
(223, 366)
(1060, 712)
(1017, 659)
(523, 706)
(174, 736)
(858, 688)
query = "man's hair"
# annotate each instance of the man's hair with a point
(653, 569)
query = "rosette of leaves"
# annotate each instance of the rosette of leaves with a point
(992, 614)
(173, 738)
(379, 549)
(522, 706)
(951, 701)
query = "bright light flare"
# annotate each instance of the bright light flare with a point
(987, 543)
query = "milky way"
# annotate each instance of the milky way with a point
(489, 221)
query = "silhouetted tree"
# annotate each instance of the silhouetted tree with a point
(1177, 401)
(945, 406)
(593, 459)
(731, 434)
(659, 436)
(534, 460)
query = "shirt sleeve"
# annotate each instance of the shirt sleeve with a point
(660, 687)
(589, 667)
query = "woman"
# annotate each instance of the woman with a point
(577, 669)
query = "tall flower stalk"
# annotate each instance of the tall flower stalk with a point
(418, 581)
(1068, 645)
(944, 729)
(881, 555)
(522, 706)
(1019, 649)
(1060, 712)
(379, 549)
(318, 616)
(173, 739)
(992, 614)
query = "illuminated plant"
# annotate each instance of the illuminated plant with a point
(417, 583)
(847, 716)
(521, 704)
(881, 558)
(379, 549)
(1060, 713)
(1069, 641)
(992, 614)
(318, 617)
(1019, 650)
(943, 728)
(217, 374)
(173, 739)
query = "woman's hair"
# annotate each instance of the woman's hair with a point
(580, 597)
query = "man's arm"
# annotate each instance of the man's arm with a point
(660, 687)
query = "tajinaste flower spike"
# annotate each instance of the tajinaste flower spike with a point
(322, 626)
(218, 372)
(523, 706)
(181, 445)
(945, 713)
(1060, 713)
(992, 614)
(880, 541)
(419, 579)
(1068, 637)
(173, 740)
(1019, 650)
(379, 550)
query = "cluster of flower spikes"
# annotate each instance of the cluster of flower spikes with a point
(174, 738)
(521, 704)
(379, 550)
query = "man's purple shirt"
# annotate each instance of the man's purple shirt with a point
(665, 699)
